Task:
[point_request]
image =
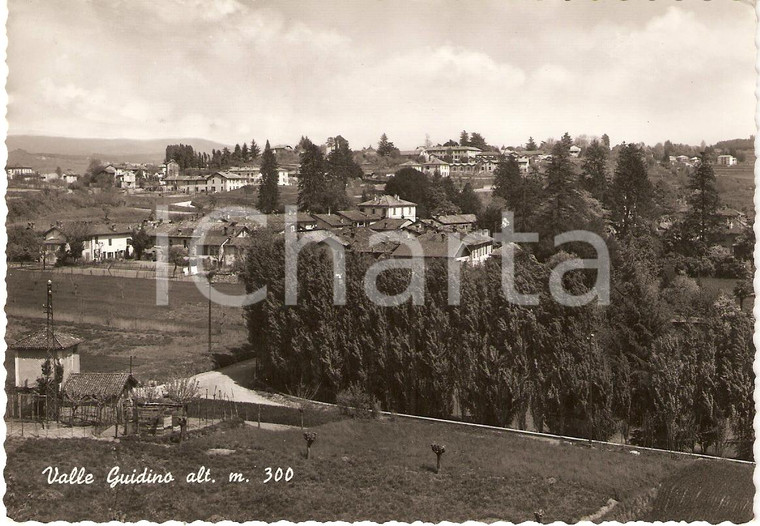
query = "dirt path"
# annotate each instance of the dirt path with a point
(233, 383)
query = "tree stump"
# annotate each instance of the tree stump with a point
(310, 437)
(438, 450)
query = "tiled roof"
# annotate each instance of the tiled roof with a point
(97, 385)
(320, 236)
(102, 229)
(386, 201)
(467, 148)
(357, 217)
(38, 340)
(436, 245)
(388, 224)
(230, 175)
(332, 220)
(456, 219)
(358, 239)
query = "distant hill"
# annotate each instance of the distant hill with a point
(46, 163)
(149, 150)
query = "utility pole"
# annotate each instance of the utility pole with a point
(210, 276)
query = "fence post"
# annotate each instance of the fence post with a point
(258, 418)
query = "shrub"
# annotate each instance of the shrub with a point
(357, 403)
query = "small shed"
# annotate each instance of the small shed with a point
(99, 397)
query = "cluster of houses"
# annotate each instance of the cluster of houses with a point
(389, 216)
(102, 241)
(450, 161)
(222, 181)
(226, 239)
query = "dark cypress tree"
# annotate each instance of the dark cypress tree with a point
(468, 201)
(311, 180)
(631, 190)
(507, 180)
(595, 170)
(564, 205)
(520, 191)
(268, 192)
(531, 144)
(701, 219)
(385, 147)
(254, 151)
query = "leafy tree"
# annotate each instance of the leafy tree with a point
(701, 219)
(606, 141)
(268, 201)
(631, 190)
(437, 201)
(237, 154)
(595, 170)
(464, 138)
(507, 180)
(177, 256)
(451, 142)
(490, 217)
(341, 166)
(385, 147)
(140, 242)
(23, 244)
(244, 153)
(468, 201)
(411, 185)
(531, 144)
(477, 141)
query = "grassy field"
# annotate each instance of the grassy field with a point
(359, 470)
(705, 491)
(736, 186)
(119, 318)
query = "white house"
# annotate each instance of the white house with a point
(108, 242)
(457, 153)
(32, 350)
(13, 171)
(727, 160)
(227, 181)
(388, 206)
(575, 151)
(473, 248)
(283, 177)
(436, 165)
(125, 178)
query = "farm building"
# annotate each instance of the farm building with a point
(97, 397)
(32, 350)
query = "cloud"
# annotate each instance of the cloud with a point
(232, 70)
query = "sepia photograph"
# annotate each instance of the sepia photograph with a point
(379, 260)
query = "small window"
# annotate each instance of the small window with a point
(110, 241)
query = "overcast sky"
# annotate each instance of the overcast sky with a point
(233, 70)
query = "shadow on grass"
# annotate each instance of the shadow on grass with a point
(428, 468)
(232, 356)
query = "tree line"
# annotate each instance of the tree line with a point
(589, 371)
(665, 364)
(187, 157)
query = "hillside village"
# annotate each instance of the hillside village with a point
(104, 239)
